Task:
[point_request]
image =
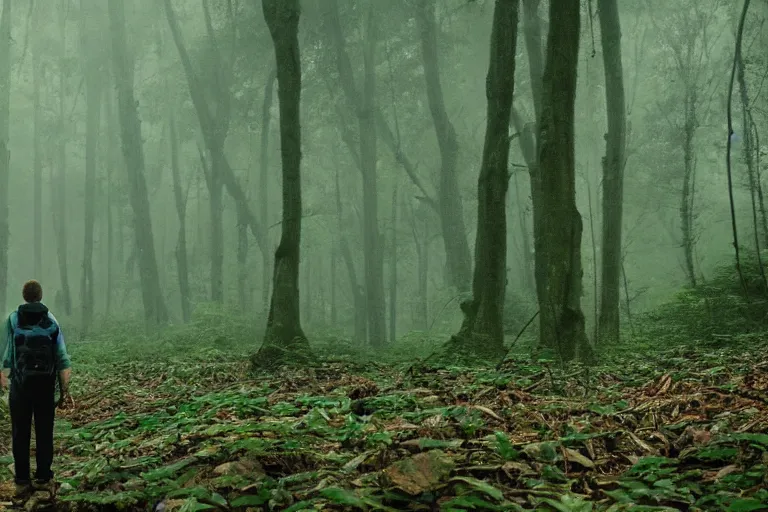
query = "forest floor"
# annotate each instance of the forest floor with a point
(680, 429)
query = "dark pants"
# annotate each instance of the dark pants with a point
(28, 400)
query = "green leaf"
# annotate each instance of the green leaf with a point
(481, 486)
(342, 497)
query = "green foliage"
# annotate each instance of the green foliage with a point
(718, 306)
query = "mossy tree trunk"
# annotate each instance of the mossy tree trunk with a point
(558, 244)
(284, 339)
(613, 172)
(482, 332)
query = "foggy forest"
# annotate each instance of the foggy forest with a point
(392, 254)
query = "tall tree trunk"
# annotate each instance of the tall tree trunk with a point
(558, 249)
(334, 306)
(358, 297)
(393, 272)
(5, 153)
(111, 162)
(688, 194)
(457, 255)
(37, 164)
(216, 204)
(133, 152)
(91, 62)
(284, 339)
(529, 133)
(482, 331)
(242, 261)
(374, 258)
(60, 182)
(266, 119)
(364, 106)
(182, 265)
(613, 171)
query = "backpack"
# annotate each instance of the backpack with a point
(35, 347)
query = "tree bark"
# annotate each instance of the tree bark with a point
(60, 182)
(613, 172)
(358, 298)
(216, 210)
(133, 152)
(558, 248)
(457, 255)
(284, 339)
(266, 119)
(364, 106)
(482, 331)
(93, 75)
(182, 265)
(5, 153)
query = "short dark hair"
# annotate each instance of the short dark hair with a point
(32, 291)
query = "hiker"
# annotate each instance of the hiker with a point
(34, 357)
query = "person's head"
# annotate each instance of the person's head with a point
(32, 291)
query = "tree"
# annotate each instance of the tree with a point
(558, 244)
(482, 331)
(180, 199)
(458, 259)
(213, 132)
(90, 39)
(364, 106)
(613, 171)
(284, 336)
(59, 184)
(130, 133)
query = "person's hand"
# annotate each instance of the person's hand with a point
(3, 380)
(65, 401)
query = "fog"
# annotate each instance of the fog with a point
(72, 190)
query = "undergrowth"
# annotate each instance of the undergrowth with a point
(665, 422)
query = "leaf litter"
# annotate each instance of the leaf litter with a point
(679, 430)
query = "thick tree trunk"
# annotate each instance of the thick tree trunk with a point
(284, 339)
(133, 152)
(457, 255)
(182, 265)
(5, 153)
(482, 331)
(558, 249)
(613, 172)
